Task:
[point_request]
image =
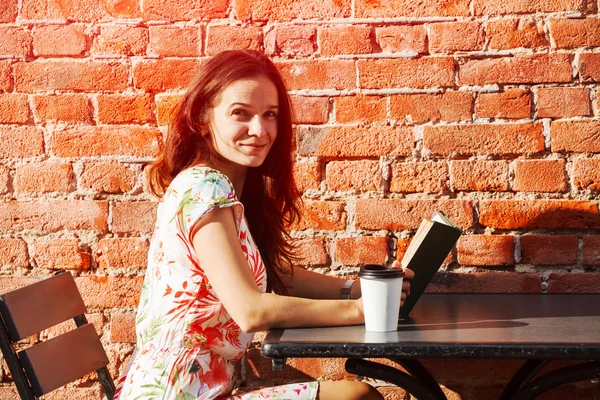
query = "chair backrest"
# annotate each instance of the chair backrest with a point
(48, 365)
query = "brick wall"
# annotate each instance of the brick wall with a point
(488, 110)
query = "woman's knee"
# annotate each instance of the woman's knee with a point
(348, 390)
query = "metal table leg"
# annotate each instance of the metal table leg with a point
(561, 376)
(526, 373)
(382, 372)
(418, 371)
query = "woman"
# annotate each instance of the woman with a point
(220, 261)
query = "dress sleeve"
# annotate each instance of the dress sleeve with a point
(210, 190)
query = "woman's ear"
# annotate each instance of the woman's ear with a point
(204, 129)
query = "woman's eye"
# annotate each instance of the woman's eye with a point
(241, 113)
(271, 114)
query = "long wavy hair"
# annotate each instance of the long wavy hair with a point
(270, 196)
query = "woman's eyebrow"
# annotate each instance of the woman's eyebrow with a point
(249, 105)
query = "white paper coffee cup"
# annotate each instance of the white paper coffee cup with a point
(381, 288)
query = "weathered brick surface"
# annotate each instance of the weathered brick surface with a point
(59, 40)
(323, 215)
(21, 142)
(484, 139)
(300, 40)
(485, 282)
(427, 177)
(341, 142)
(575, 136)
(224, 37)
(586, 173)
(13, 253)
(484, 250)
(8, 10)
(121, 41)
(44, 177)
(5, 75)
(14, 109)
(61, 254)
(420, 108)
(410, 8)
(129, 253)
(345, 40)
(65, 107)
(318, 74)
(262, 10)
(354, 175)
(161, 75)
(478, 175)
(108, 291)
(589, 67)
(307, 175)
(549, 250)
(448, 37)
(563, 102)
(483, 7)
(117, 109)
(312, 252)
(15, 41)
(364, 250)
(122, 328)
(165, 106)
(134, 217)
(360, 109)
(512, 104)
(515, 33)
(402, 38)
(5, 181)
(310, 110)
(173, 41)
(591, 250)
(573, 283)
(184, 10)
(572, 32)
(424, 72)
(540, 176)
(109, 177)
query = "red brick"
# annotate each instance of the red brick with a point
(512, 33)
(512, 104)
(49, 215)
(119, 40)
(78, 10)
(415, 73)
(549, 214)
(448, 37)
(540, 176)
(318, 74)
(307, 175)
(160, 75)
(400, 214)
(485, 282)
(273, 10)
(64, 107)
(175, 41)
(61, 254)
(95, 319)
(108, 291)
(591, 250)
(484, 139)
(59, 40)
(166, 104)
(586, 173)
(574, 283)
(360, 176)
(549, 250)
(419, 108)
(322, 215)
(411, 177)
(403, 38)
(571, 33)
(342, 142)
(362, 250)
(70, 75)
(13, 253)
(478, 175)
(5, 76)
(14, 109)
(485, 250)
(117, 108)
(226, 37)
(21, 142)
(75, 393)
(537, 68)
(5, 186)
(310, 110)
(410, 8)
(352, 39)
(122, 328)
(107, 177)
(8, 284)
(185, 10)
(491, 7)
(589, 67)
(360, 109)
(578, 136)
(311, 251)
(128, 253)
(105, 141)
(139, 216)
(291, 40)
(15, 41)
(42, 177)
(561, 102)
(8, 10)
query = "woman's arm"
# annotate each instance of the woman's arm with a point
(216, 244)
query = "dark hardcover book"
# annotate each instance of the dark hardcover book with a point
(427, 251)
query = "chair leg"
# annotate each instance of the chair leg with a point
(11, 358)
(107, 383)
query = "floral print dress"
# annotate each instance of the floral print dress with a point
(187, 343)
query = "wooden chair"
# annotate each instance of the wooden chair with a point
(50, 364)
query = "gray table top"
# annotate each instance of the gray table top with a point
(541, 326)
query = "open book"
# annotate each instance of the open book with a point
(427, 251)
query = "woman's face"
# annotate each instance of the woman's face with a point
(244, 122)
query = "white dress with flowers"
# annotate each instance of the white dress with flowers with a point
(187, 343)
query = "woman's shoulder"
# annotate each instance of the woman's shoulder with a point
(198, 179)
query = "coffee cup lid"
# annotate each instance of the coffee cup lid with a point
(376, 271)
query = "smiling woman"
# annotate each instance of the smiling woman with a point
(220, 260)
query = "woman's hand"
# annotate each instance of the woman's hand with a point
(408, 275)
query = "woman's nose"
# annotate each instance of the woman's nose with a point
(256, 126)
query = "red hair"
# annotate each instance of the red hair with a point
(270, 195)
